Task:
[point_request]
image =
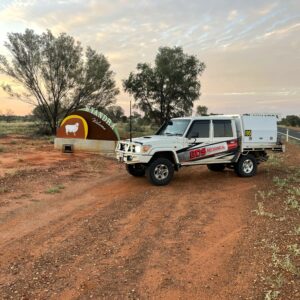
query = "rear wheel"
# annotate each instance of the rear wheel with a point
(216, 167)
(137, 170)
(160, 171)
(246, 166)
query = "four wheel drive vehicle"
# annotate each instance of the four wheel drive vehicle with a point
(239, 142)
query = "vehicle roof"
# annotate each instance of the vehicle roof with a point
(207, 117)
(211, 117)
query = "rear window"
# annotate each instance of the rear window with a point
(222, 128)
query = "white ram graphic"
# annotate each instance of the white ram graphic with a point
(72, 128)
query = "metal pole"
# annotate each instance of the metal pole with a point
(287, 134)
(130, 125)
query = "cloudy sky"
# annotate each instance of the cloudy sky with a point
(251, 48)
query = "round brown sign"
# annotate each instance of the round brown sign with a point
(88, 124)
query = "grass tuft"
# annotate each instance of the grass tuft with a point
(285, 263)
(55, 189)
(292, 202)
(297, 230)
(275, 160)
(3, 190)
(280, 182)
(294, 249)
(260, 211)
(265, 194)
(272, 295)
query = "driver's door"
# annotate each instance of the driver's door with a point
(198, 136)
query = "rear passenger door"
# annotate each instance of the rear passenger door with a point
(222, 130)
(224, 141)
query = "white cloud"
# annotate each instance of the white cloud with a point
(246, 44)
(283, 30)
(232, 15)
(267, 8)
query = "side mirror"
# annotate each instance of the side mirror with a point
(193, 139)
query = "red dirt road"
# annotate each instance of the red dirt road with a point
(108, 235)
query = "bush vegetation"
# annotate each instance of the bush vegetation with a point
(291, 120)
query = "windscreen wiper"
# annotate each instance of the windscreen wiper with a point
(171, 134)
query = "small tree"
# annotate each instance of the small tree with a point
(169, 88)
(201, 110)
(291, 120)
(56, 76)
(9, 115)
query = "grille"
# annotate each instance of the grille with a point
(122, 147)
(127, 147)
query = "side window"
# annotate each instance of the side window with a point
(222, 128)
(199, 129)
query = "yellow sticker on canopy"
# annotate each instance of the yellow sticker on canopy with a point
(248, 132)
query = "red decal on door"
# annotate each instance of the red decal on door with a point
(197, 153)
(216, 149)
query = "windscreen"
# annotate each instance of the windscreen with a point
(174, 127)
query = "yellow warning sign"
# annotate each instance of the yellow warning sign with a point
(248, 132)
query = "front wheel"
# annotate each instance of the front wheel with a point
(137, 170)
(160, 171)
(246, 166)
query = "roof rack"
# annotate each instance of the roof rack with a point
(262, 114)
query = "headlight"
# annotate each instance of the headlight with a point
(137, 148)
(142, 149)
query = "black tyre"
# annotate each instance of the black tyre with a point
(160, 171)
(216, 167)
(137, 170)
(246, 166)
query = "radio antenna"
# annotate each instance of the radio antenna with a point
(130, 123)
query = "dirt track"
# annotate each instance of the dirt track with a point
(109, 235)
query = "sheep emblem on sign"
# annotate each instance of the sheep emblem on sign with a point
(72, 128)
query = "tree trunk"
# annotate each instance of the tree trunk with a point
(53, 130)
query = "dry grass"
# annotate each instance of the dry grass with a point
(20, 128)
(279, 205)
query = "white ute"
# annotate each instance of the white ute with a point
(239, 142)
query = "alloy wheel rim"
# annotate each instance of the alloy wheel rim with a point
(248, 166)
(161, 172)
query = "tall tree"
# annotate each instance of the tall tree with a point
(201, 110)
(116, 113)
(56, 75)
(169, 88)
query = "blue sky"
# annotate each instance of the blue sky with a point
(251, 48)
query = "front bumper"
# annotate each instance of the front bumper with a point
(126, 152)
(132, 158)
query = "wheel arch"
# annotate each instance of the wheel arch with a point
(168, 155)
(260, 155)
